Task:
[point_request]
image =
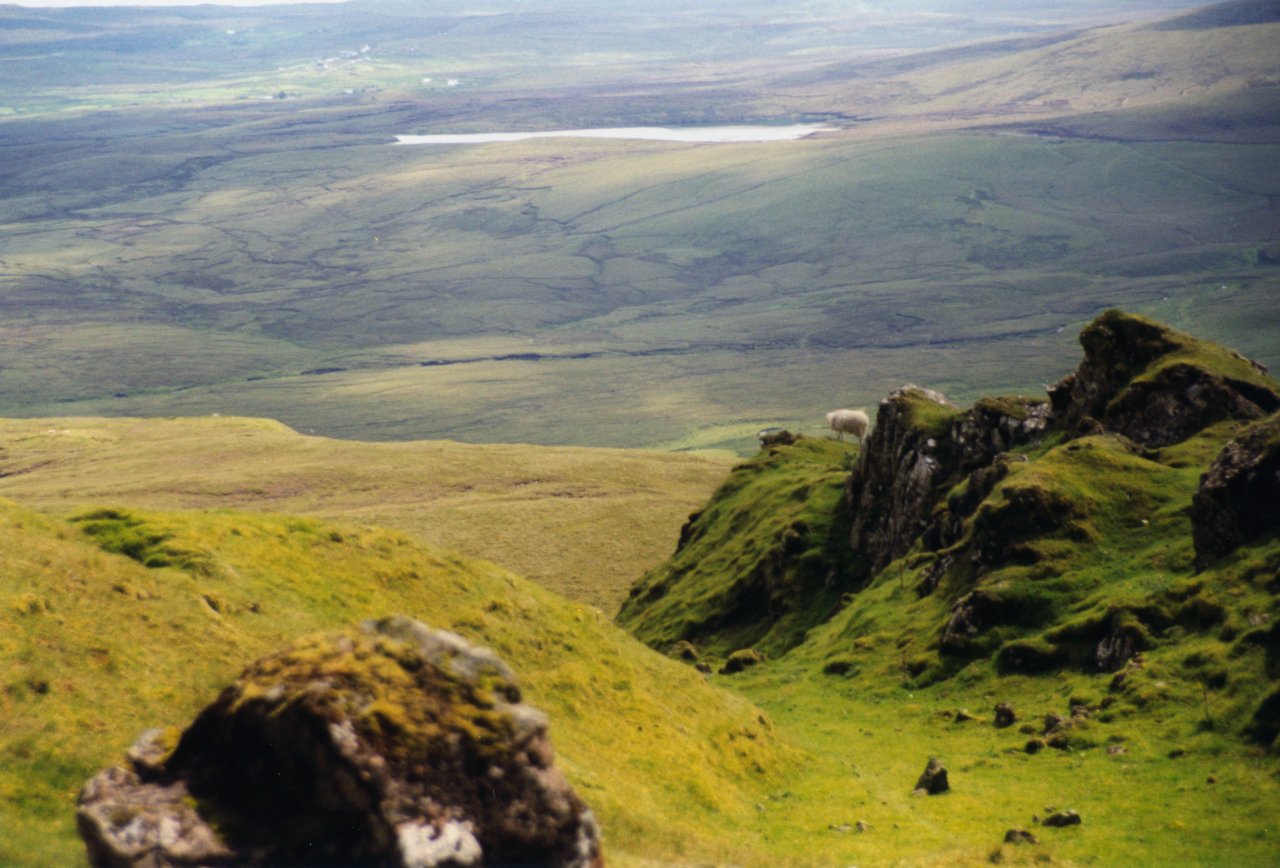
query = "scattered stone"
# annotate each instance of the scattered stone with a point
(740, 660)
(1005, 715)
(933, 780)
(1058, 740)
(1020, 836)
(1053, 722)
(1211, 779)
(1177, 752)
(1034, 745)
(842, 828)
(1062, 818)
(962, 715)
(861, 826)
(703, 667)
(1117, 750)
(1118, 647)
(389, 744)
(685, 650)
(1027, 729)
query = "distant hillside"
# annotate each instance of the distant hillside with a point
(536, 511)
(212, 251)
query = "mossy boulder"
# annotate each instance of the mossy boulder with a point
(388, 744)
(741, 659)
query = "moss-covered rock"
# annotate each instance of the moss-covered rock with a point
(1157, 385)
(743, 658)
(387, 744)
(1239, 498)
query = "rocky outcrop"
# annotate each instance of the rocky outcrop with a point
(390, 744)
(947, 526)
(1156, 385)
(994, 426)
(1237, 499)
(919, 446)
(903, 462)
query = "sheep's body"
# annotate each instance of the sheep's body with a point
(844, 422)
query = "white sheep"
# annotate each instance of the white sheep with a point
(853, 422)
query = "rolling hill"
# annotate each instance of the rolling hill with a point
(1057, 572)
(283, 260)
(541, 512)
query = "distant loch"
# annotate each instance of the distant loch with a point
(708, 135)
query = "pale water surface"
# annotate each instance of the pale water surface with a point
(740, 133)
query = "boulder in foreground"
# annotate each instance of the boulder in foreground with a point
(389, 744)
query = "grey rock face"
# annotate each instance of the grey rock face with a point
(1239, 498)
(390, 744)
(920, 445)
(901, 466)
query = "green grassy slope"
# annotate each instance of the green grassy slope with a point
(760, 563)
(543, 512)
(95, 646)
(1070, 582)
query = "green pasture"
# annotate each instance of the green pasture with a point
(602, 292)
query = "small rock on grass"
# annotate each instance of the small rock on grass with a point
(1061, 818)
(1005, 715)
(933, 780)
(1020, 836)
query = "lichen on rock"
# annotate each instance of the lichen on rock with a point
(389, 744)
